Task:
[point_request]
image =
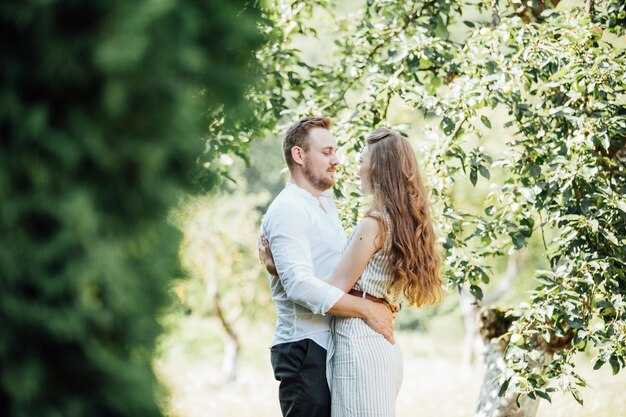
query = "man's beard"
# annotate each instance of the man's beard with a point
(318, 182)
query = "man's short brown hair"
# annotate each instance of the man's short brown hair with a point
(298, 135)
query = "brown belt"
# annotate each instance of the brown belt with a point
(358, 293)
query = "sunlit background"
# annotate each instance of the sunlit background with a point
(130, 214)
(218, 363)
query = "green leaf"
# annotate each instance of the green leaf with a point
(504, 387)
(534, 171)
(469, 24)
(447, 125)
(517, 339)
(598, 364)
(484, 171)
(621, 204)
(609, 235)
(615, 365)
(476, 291)
(567, 70)
(544, 395)
(474, 175)
(518, 240)
(485, 121)
(577, 396)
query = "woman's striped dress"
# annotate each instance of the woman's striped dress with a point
(366, 368)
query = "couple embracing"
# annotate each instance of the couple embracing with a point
(333, 349)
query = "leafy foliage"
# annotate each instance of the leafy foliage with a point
(550, 82)
(98, 130)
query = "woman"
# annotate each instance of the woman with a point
(391, 255)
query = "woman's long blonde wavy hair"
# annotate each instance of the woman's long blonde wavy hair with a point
(399, 194)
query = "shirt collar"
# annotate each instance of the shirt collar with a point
(304, 193)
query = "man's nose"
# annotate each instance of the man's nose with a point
(334, 160)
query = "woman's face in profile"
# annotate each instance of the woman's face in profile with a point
(364, 171)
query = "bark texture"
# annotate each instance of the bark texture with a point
(493, 324)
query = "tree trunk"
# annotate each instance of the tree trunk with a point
(232, 347)
(494, 323)
(230, 360)
(473, 346)
(489, 403)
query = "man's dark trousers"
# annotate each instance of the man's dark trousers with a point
(301, 369)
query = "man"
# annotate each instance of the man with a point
(306, 241)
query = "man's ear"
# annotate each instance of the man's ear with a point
(297, 155)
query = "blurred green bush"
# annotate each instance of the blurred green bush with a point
(101, 106)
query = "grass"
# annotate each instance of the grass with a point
(434, 383)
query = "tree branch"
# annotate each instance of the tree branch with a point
(387, 105)
(495, 10)
(457, 129)
(408, 19)
(222, 318)
(543, 235)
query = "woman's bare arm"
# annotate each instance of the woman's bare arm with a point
(366, 240)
